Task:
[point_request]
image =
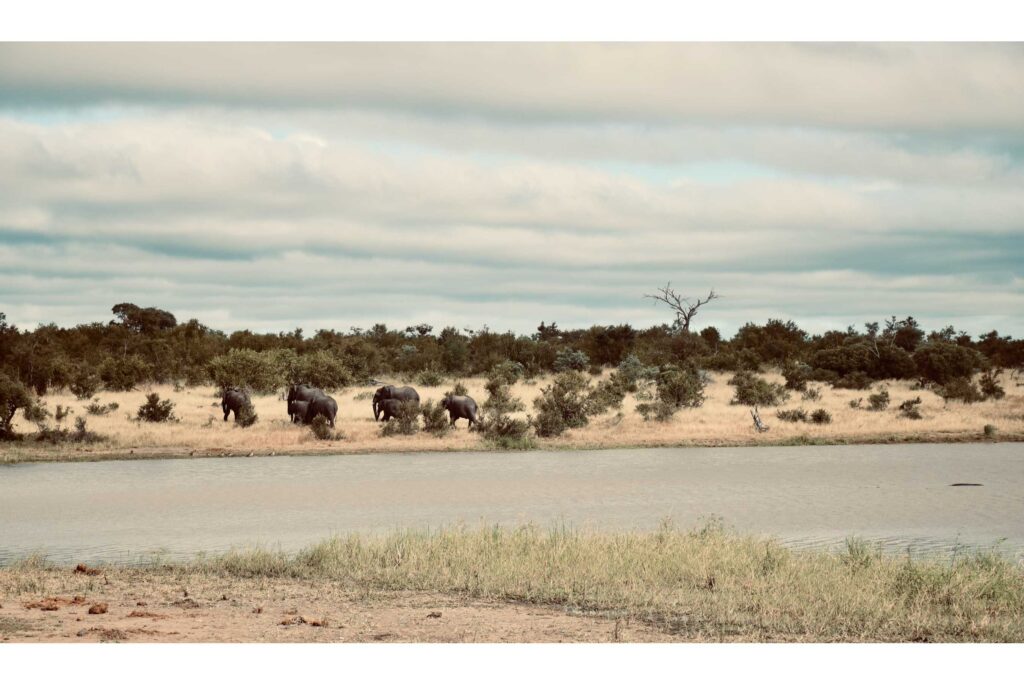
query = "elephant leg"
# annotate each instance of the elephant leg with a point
(227, 411)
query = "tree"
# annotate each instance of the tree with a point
(13, 395)
(681, 305)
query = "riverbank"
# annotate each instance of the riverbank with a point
(201, 432)
(524, 584)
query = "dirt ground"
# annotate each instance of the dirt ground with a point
(233, 610)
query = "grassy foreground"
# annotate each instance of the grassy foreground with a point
(201, 431)
(704, 585)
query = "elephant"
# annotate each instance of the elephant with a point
(234, 399)
(297, 410)
(390, 408)
(321, 405)
(301, 392)
(393, 392)
(460, 406)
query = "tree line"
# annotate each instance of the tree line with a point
(148, 345)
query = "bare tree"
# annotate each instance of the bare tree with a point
(684, 309)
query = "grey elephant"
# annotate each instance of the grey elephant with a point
(234, 400)
(297, 410)
(460, 406)
(301, 392)
(393, 392)
(390, 408)
(321, 405)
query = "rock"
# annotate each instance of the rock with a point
(87, 570)
(98, 608)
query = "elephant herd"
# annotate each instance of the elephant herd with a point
(305, 403)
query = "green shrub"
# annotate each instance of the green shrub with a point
(507, 372)
(990, 431)
(430, 378)
(263, 372)
(821, 417)
(567, 360)
(631, 372)
(508, 433)
(990, 387)
(460, 389)
(317, 369)
(811, 394)
(61, 412)
(95, 408)
(14, 396)
(607, 394)
(155, 410)
(855, 380)
(405, 423)
(61, 435)
(562, 405)
(752, 390)
(796, 415)
(435, 418)
(246, 416)
(960, 389)
(84, 383)
(911, 409)
(36, 412)
(942, 362)
(797, 375)
(122, 374)
(320, 426)
(677, 387)
(856, 402)
(879, 401)
(656, 410)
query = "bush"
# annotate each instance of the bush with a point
(562, 405)
(435, 418)
(960, 389)
(84, 383)
(460, 389)
(509, 433)
(507, 372)
(823, 375)
(155, 410)
(796, 415)
(263, 372)
(677, 387)
(942, 362)
(910, 409)
(879, 401)
(821, 417)
(246, 416)
(122, 374)
(61, 413)
(320, 426)
(856, 402)
(405, 423)
(811, 394)
(631, 372)
(989, 431)
(797, 375)
(13, 396)
(607, 395)
(990, 387)
(567, 360)
(59, 435)
(36, 412)
(317, 369)
(855, 380)
(430, 378)
(752, 390)
(95, 408)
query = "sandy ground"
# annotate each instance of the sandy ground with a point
(201, 431)
(281, 610)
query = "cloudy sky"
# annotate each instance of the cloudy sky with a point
(326, 186)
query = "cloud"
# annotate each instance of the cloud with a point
(907, 86)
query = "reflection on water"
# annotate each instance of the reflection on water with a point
(898, 496)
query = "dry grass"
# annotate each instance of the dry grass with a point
(704, 585)
(202, 432)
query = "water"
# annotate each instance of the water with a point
(898, 495)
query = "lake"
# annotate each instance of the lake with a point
(810, 497)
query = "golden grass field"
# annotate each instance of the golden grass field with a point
(525, 584)
(201, 430)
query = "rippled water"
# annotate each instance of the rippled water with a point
(900, 496)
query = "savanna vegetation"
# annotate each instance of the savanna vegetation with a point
(708, 584)
(551, 385)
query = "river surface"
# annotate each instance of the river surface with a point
(899, 496)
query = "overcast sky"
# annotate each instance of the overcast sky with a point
(329, 186)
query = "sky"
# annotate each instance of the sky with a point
(275, 186)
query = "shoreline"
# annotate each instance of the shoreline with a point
(523, 584)
(13, 455)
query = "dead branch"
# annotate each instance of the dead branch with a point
(681, 305)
